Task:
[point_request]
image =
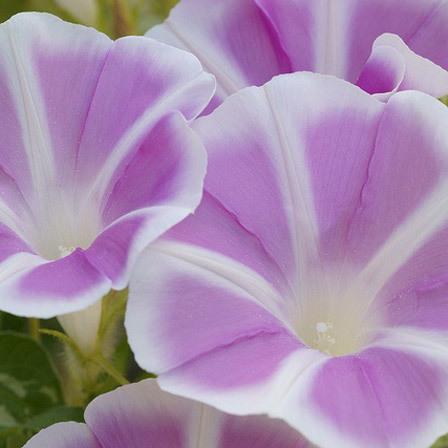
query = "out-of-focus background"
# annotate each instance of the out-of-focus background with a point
(114, 17)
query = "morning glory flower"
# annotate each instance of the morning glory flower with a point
(141, 415)
(96, 158)
(384, 46)
(311, 283)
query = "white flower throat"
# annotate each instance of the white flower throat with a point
(61, 228)
(334, 316)
(325, 337)
(65, 251)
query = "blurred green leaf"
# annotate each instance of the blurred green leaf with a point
(148, 13)
(441, 443)
(141, 14)
(12, 323)
(54, 415)
(29, 387)
(162, 7)
(8, 8)
(13, 438)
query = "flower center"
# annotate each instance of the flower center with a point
(325, 338)
(335, 338)
(335, 318)
(60, 229)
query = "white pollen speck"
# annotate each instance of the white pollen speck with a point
(322, 327)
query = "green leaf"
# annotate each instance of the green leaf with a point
(444, 100)
(29, 385)
(8, 322)
(8, 8)
(441, 443)
(54, 415)
(13, 438)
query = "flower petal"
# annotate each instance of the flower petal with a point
(259, 432)
(141, 208)
(64, 435)
(399, 212)
(15, 212)
(172, 152)
(233, 41)
(288, 160)
(10, 244)
(172, 282)
(214, 228)
(50, 141)
(168, 170)
(322, 37)
(392, 395)
(392, 66)
(34, 287)
(38, 78)
(141, 413)
(311, 32)
(419, 24)
(116, 249)
(368, 20)
(258, 375)
(168, 80)
(178, 293)
(304, 35)
(384, 71)
(417, 294)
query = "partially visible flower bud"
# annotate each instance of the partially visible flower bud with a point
(82, 326)
(86, 11)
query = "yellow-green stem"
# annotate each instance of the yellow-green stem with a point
(33, 328)
(123, 23)
(109, 369)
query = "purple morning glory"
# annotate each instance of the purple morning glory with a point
(383, 46)
(96, 158)
(311, 283)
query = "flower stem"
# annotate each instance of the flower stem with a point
(97, 358)
(34, 328)
(109, 369)
(63, 338)
(123, 24)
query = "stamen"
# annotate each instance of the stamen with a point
(325, 339)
